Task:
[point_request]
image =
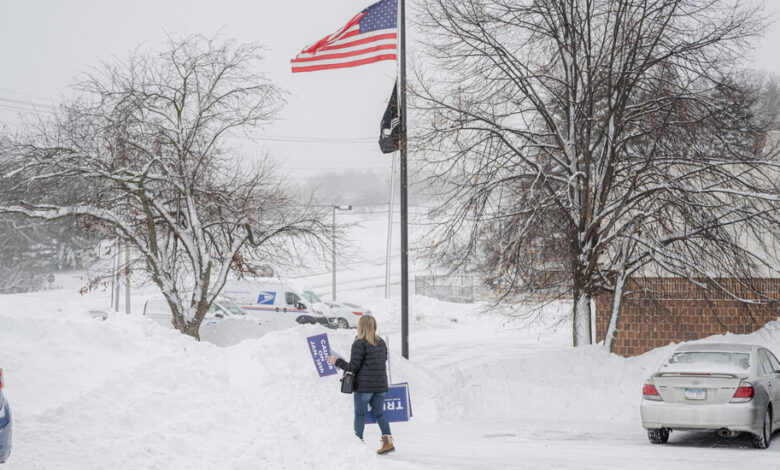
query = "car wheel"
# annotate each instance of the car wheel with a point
(658, 436)
(761, 441)
(343, 323)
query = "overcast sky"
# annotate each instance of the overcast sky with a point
(45, 44)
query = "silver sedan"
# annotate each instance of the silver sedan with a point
(728, 388)
(345, 314)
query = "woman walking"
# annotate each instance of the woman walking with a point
(367, 363)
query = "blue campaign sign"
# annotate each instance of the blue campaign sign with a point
(266, 298)
(398, 404)
(319, 347)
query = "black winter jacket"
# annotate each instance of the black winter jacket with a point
(368, 364)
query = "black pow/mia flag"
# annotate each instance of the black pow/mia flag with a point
(390, 129)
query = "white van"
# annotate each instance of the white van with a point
(275, 303)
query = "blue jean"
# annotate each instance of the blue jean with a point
(377, 401)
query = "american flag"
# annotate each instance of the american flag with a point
(370, 36)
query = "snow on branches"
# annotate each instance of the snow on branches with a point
(595, 139)
(147, 141)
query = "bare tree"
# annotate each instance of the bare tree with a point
(617, 124)
(148, 139)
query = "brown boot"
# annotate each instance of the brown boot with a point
(387, 445)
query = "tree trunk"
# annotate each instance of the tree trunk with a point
(192, 329)
(614, 317)
(581, 330)
(177, 317)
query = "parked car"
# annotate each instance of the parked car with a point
(224, 307)
(728, 388)
(5, 423)
(316, 302)
(274, 302)
(346, 314)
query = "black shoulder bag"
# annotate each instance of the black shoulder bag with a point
(348, 382)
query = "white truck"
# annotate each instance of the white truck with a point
(274, 303)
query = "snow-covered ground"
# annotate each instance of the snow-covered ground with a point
(127, 393)
(487, 392)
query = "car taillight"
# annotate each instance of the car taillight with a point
(2, 381)
(745, 392)
(649, 391)
(357, 313)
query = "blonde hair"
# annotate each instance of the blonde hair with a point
(366, 329)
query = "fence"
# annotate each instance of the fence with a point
(448, 288)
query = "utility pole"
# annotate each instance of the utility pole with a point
(113, 276)
(404, 214)
(117, 276)
(127, 278)
(390, 227)
(335, 208)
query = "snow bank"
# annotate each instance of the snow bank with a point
(128, 393)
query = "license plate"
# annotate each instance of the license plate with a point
(695, 394)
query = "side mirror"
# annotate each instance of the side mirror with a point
(219, 315)
(300, 306)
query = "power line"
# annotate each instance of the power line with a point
(24, 94)
(31, 104)
(329, 168)
(307, 140)
(9, 107)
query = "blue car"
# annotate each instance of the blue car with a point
(5, 424)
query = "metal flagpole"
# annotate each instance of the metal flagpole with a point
(404, 215)
(390, 227)
(333, 294)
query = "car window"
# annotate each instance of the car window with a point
(231, 307)
(773, 362)
(765, 365)
(291, 298)
(707, 361)
(762, 357)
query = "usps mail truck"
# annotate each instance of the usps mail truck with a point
(274, 303)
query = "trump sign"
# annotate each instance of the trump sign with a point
(320, 350)
(398, 405)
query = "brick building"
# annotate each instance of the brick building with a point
(671, 309)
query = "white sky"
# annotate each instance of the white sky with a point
(45, 44)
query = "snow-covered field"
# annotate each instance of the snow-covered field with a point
(487, 392)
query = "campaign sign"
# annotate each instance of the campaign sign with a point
(398, 405)
(320, 350)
